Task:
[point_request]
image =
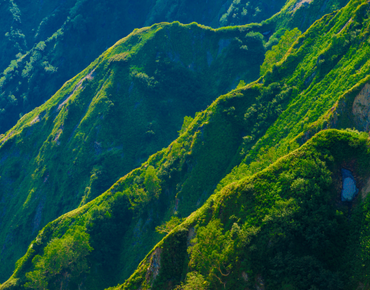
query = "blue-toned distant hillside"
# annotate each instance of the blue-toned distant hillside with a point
(45, 43)
(242, 223)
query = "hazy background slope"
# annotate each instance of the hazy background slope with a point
(45, 43)
(127, 105)
(178, 179)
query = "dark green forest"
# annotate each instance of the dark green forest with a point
(224, 148)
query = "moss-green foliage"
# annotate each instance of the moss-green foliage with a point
(180, 178)
(185, 124)
(63, 261)
(284, 227)
(42, 45)
(210, 250)
(302, 15)
(194, 280)
(110, 118)
(151, 182)
(169, 225)
(278, 51)
(151, 189)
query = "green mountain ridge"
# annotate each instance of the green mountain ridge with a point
(106, 121)
(308, 68)
(248, 128)
(75, 142)
(283, 228)
(45, 43)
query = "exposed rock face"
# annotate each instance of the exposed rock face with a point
(349, 189)
(361, 109)
(301, 3)
(154, 267)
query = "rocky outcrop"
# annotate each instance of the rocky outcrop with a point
(361, 109)
(155, 262)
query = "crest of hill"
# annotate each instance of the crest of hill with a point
(106, 121)
(177, 180)
(125, 106)
(43, 44)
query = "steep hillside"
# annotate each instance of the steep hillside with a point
(286, 227)
(214, 13)
(324, 70)
(106, 121)
(125, 106)
(277, 210)
(45, 43)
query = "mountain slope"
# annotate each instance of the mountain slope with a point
(43, 44)
(125, 106)
(177, 180)
(186, 173)
(284, 228)
(106, 121)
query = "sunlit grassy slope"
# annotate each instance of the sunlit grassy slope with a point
(241, 128)
(282, 228)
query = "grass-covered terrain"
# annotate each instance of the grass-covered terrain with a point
(106, 121)
(128, 104)
(45, 43)
(324, 70)
(282, 226)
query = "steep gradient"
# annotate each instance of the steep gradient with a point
(45, 43)
(248, 128)
(283, 228)
(125, 106)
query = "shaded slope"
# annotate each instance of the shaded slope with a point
(125, 106)
(46, 43)
(123, 219)
(184, 184)
(43, 44)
